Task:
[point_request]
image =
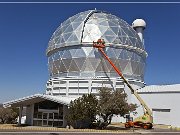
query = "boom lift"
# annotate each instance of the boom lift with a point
(145, 121)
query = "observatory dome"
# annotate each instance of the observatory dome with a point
(70, 52)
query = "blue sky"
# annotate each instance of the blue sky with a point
(25, 30)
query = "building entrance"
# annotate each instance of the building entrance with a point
(48, 119)
(52, 117)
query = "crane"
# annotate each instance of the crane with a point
(145, 121)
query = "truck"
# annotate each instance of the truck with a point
(146, 120)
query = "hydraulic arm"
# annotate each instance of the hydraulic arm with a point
(147, 117)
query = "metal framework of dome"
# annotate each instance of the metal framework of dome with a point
(70, 52)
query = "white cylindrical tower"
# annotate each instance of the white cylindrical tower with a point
(139, 25)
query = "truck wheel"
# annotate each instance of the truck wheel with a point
(145, 126)
(150, 126)
(127, 125)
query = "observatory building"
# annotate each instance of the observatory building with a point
(76, 68)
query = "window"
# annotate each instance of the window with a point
(39, 115)
(50, 123)
(161, 110)
(48, 89)
(56, 88)
(55, 115)
(46, 105)
(50, 115)
(44, 115)
(56, 82)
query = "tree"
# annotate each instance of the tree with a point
(8, 115)
(83, 111)
(113, 102)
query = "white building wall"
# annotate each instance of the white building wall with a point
(162, 101)
(118, 119)
(75, 87)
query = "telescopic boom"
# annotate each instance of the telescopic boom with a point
(100, 44)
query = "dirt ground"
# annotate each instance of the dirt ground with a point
(114, 127)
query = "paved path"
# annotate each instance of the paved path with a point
(88, 133)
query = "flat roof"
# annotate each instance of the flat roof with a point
(174, 88)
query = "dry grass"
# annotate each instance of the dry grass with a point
(14, 127)
(7, 125)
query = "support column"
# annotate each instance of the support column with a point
(114, 83)
(65, 112)
(32, 114)
(67, 87)
(29, 114)
(89, 86)
(78, 86)
(20, 114)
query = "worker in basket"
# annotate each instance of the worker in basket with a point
(100, 41)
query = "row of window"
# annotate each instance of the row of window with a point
(58, 94)
(81, 82)
(41, 115)
(47, 123)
